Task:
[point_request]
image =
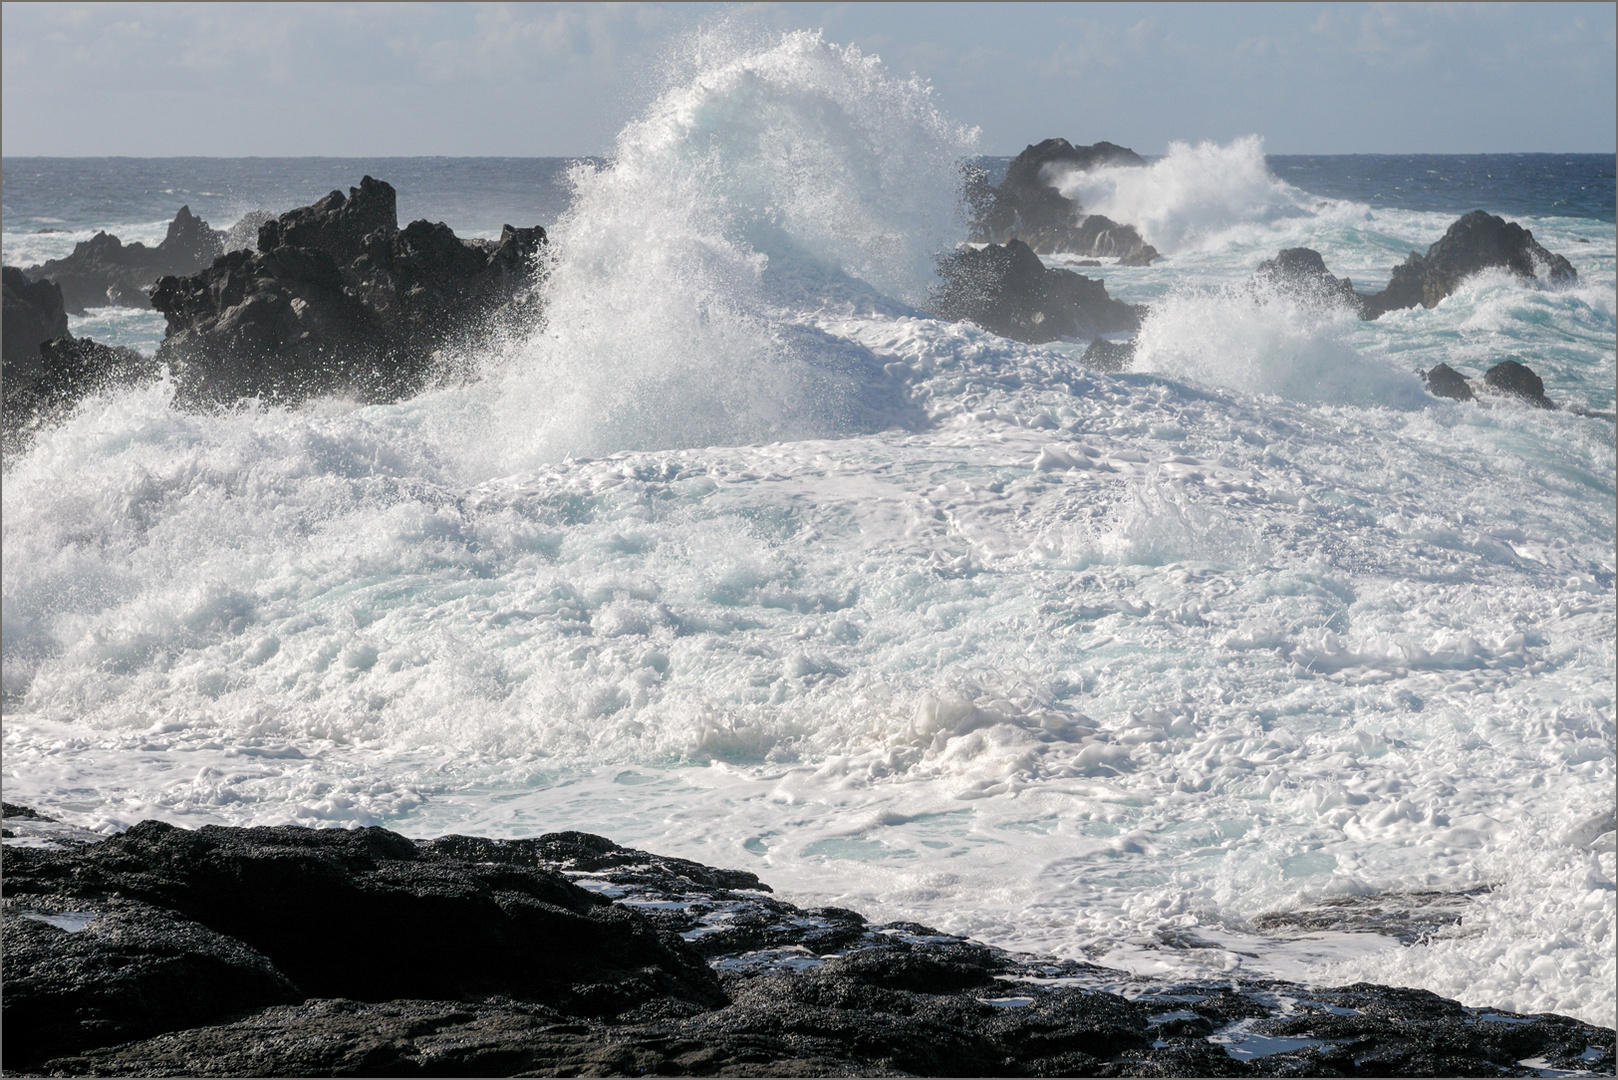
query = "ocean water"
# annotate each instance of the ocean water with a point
(744, 558)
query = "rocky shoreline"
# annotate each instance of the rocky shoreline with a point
(295, 952)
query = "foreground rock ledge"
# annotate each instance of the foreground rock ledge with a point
(297, 952)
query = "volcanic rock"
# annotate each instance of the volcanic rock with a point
(1445, 382)
(103, 271)
(33, 314)
(1027, 206)
(291, 952)
(1510, 377)
(1301, 274)
(339, 299)
(1477, 241)
(1006, 289)
(62, 373)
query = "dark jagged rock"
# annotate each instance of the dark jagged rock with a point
(1445, 382)
(103, 271)
(77, 980)
(789, 991)
(1478, 241)
(339, 299)
(33, 314)
(1301, 273)
(66, 371)
(1510, 377)
(1005, 288)
(1028, 207)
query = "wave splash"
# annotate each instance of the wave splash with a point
(1191, 198)
(773, 182)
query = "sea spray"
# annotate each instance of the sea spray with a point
(725, 213)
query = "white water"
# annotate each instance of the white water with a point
(743, 559)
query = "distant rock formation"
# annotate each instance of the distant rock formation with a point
(1006, 289)
(1301, 274)
(105, 272)
(339, 299)
(1028, 207)
(1478, 241)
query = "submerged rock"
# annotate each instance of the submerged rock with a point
(1104, 355)
(339, 299)
(293, 952)
(1445, 382)
(1028, 207)
(103, 271)
(1005, 288)
(1477, 241)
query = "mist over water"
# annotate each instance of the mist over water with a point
(742, 557)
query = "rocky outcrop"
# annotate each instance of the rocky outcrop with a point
(1445, 382)
(1007, 289)
(1478, 241)
(1519, 380)
(1104, 355)
(33, 313)
(1027, 205)
(1300, 273)
(45, 369)
(291, 952)
(338, 299)
(103, 271)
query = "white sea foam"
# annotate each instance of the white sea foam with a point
(1097, 665)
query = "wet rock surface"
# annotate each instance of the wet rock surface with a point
(1519, 380)
(1444, 381)
(337, 299)
(1005, 288)
(33, 314)
(1301, 274)
(1027, 205)
(294, 952)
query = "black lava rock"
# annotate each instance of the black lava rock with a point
(1477, 241)
(1301, 273)
(1006, 289)
(287, 952)
(1028, 207)
(1510, 377)
(1444, 381)
(65, 371)
(103, 271)
(339, 299)
(1104, 355)
(33, 314)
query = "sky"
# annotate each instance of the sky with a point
(536, 80)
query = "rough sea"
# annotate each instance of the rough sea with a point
(1254, 659)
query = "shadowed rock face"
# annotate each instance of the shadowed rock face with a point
(1027, 207)
(1006, 289)
(103, 271)
(33, 314)
(293, 952)
(339, 299)
(1510, 377)
(1478, 241)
